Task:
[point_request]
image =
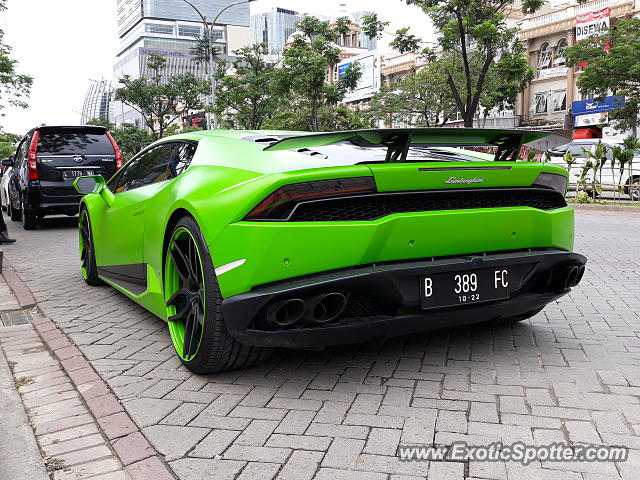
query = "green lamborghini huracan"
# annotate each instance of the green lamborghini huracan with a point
(245, 240)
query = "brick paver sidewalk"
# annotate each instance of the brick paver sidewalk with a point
(570, 374)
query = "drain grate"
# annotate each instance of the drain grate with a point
(18, 317)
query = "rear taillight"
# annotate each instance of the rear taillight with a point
(32, 160)
(119, 162)
(552, 181)
(280, 204)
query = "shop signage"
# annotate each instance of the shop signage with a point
(582, 107)
(552, 72)
(592, 23)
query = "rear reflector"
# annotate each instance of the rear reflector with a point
(32, 161)
(280, 203)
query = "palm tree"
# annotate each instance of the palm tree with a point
(570, 160)
(631, 145)
(598, 158)
(618, 154)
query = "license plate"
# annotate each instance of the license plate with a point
(471, 286)
(66, 174)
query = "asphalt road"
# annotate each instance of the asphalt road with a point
(570, 374)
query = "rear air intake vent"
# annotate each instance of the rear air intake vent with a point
(374, 206)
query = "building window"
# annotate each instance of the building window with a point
(562, 46)
(559, 100)
(188, 31)
(158, 28)
(544, 60)
(540, 102)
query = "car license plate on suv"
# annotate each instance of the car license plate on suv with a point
(67, 174)
(472, 286)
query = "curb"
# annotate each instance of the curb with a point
(605, 208)
(17, 286)
(140, 459)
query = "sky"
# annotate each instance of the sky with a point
(65, 44)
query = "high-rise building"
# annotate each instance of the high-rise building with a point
(97, 101)
(273, 28)
(171, 28)
(365, 42)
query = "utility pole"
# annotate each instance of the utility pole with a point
(208, 29)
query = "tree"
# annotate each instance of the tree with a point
(129, 138)
(206, 50)
(246, 96)
(505, 80)
(419, 100)
(162, 101)
(305, 68)
(596, 161)
(8, 144)
(14, 87)
(570, 159)
(474, 36)
(612, 64)
(330, 118)
(631, 146)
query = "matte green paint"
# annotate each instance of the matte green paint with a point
(276, 251)
(229, 176)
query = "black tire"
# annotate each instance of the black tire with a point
(504, 321)
(633, 188)
(13, 214)
(88, 254)
(29, 220)
(218, 351)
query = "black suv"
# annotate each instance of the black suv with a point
(47, 162)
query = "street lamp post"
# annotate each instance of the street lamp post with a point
(208, 28)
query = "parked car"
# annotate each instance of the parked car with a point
(7, 166)
(47, 162)
(245, 240)
(608, 178)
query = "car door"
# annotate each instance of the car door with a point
(119, 249)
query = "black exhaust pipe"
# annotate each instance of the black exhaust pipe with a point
(571, 277)
(580, 275)
(324, 307)
(285, 312)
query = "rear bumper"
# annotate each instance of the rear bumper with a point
(277, 251)
(40, 204)
(384, 300)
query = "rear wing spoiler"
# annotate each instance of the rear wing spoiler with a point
(398, 140)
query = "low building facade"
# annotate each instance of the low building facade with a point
(546, 102)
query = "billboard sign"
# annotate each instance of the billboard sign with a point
(552, 72)
(583, 107)
(592, 23)
(591, 119)
(369, 83)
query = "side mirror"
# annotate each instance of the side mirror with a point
(7, 162)
(89, 184)
(94, 184)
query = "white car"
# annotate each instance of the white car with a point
(4, 185)
(607, 178)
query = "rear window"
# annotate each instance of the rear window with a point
(70, 143)
(357, 151)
